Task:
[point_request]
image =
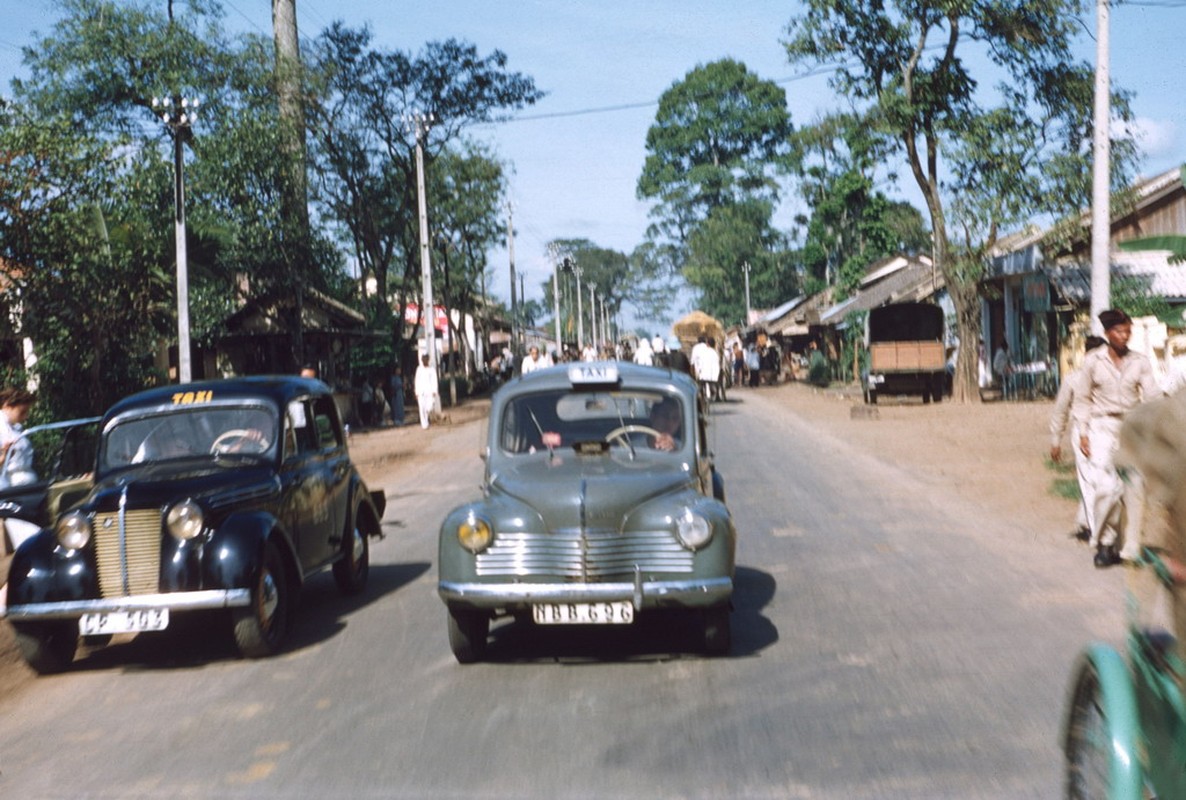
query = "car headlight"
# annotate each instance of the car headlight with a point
(74, 531)
(184, 520)
(474, 533)
(693, 530)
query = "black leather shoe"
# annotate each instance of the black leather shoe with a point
(1107, 556)
(1082, 535)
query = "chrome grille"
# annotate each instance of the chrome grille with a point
(134, 563)
(595, 555)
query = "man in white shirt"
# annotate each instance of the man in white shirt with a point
(706, 366)
(1115, 381)
(644, 355)
(426, 388)
(532, 361)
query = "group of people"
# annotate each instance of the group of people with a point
(1093, 402)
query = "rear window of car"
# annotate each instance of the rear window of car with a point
(564, 418)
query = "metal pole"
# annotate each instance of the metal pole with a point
(184, 370)
(580, 312)
(556, 304)
(179, 114)
(514, 300)
(745, 268)
(1101, 274)
(593, 317)
(427, 309)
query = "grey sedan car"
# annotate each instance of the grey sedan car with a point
(599, 504)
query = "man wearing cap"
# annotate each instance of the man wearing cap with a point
(1115, 379)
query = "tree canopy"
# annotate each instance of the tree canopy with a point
(985, 156)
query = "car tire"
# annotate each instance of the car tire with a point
(260, 627)
(48, 647)
(718, 632)
(352, 570)
(468, 631)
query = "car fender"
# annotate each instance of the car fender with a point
(366, 509)
(237, 547)
(41, 572)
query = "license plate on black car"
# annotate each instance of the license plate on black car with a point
(99, 624)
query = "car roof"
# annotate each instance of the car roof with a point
(276, 390)
(630, 376)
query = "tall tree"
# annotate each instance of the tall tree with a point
(363, 143)
(720, 139)
(983, 161)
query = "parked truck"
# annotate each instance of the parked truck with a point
(906, 351)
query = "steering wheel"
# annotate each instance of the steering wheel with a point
(239, 440)
(620, 433)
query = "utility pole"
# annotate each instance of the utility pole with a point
(179, 114)
(427, 308)
(554, 254)
(1101, 215)
(514, 302)
(745, 269)
(576, 270)
(593, 317)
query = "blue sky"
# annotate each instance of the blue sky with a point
(575, 173)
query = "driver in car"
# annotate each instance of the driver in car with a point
(667, 420)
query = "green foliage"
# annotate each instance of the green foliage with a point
(1004, 155)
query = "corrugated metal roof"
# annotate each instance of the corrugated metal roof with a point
(918, 280)
(1073, 281)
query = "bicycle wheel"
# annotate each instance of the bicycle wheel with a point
(1101, 755)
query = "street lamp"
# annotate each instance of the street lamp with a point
(179, 113)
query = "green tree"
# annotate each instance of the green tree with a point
(732, 236)
(720, 136)
(983, 161)
(363, 144)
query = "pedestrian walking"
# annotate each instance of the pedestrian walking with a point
(397, 396)
(16, 456)
(1060, 420)
(1115, 380)
(427, 391)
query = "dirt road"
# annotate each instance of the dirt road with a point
(991, 454)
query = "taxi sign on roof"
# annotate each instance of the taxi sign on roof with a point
(595, 373)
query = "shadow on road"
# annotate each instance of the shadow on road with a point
(197, 639)
(663, 635)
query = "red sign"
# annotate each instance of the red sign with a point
(412, 316)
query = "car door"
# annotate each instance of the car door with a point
(59, 474)
(303, 486)
(335, 469)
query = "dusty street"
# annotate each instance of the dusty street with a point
(991, 454)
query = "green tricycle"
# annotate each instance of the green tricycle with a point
(1124, 735)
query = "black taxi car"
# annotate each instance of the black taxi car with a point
(600, 503)
(207, 496)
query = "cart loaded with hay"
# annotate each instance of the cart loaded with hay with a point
(689, 329)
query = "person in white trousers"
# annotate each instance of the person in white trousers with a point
(425, 385)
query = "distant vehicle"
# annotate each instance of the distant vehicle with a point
(600, 503)
(906, 351)
(58, 475)
(214, 496)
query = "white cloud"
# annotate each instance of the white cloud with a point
(1157, 138)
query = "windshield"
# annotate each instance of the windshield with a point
(646, 420)
(194, 431)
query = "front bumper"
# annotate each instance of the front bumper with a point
(695, 593)
(174, 601)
